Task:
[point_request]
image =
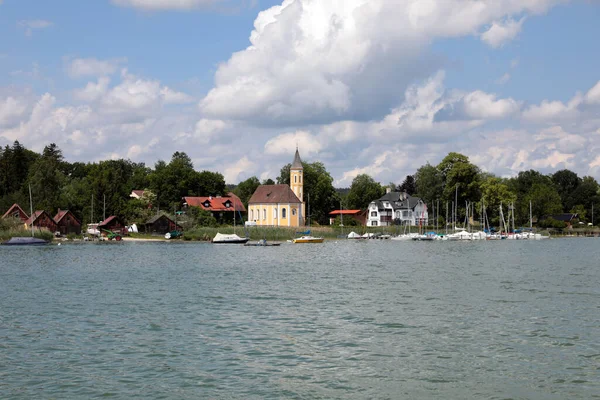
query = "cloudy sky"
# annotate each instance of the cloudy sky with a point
(365, 86)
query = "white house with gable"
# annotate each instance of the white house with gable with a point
(397, 208)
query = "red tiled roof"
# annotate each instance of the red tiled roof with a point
(138, 193)
(216, 203)
(12, 209)
(345, 212)
(265, 194)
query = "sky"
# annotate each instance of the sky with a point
(364, 86)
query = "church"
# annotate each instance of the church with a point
(280, 205)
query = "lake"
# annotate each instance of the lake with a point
(339, 320)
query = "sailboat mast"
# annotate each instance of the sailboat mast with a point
(530, 217)
(31, 209)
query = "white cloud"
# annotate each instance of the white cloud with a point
(240, 168)
(318, 61)
(93, 91)
(34, 24)
(502, 32)
(503, 79)
(593, 95)
(286, 143)
(154, 5)
(171, 96)
(83, 67)
(481, 105)
(11, 110)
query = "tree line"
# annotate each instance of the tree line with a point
(95, 189)
(456, 180)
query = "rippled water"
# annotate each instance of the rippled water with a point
(352, 320)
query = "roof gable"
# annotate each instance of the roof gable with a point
(16, 208)
(274, 194)
(62, 213)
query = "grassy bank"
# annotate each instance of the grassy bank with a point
(10, 233)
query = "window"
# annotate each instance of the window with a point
(251, 214)
(295, 178)
(293, 211)
(275, 213)
(373, 213)
(283, 213)
(265, 214)
(373, 223)
(300, 178)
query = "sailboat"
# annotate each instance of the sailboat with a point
(26, 240)
(306, 237)
(230, 238)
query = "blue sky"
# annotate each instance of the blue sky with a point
(373, 87)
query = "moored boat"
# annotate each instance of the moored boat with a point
(229, 239)
(25, 241)
(308, 239)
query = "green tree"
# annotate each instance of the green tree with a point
(544, 199)
(47, 179)
(429, 183)
(494, 192)
(566, 182)
(245, 189)
(409, 185)
(363, 191)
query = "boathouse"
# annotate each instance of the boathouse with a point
(41, 219)
(161, 224)
(15, 211)
(349, 215)
(114, 224)
(67, 222)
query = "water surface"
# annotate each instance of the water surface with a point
(351, 320)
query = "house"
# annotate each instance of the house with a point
(356, 215)
(280, 205)
(217, 205)
(114, 224)
(67, 222)
(136, 194)
(161, 224)
(15, 211)
(567, 218)
(397, 208)
(41, 219)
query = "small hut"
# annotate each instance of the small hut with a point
(15, 211)
(41, 219)
(67, 222)
(114, 224)
(161, 224)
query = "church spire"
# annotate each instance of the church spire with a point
(297, 164)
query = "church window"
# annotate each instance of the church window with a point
(293, 211)
(275, 213)
(251, 215)
(295, 178)
(264, 213)
(283, 213)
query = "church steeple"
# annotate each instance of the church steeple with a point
(296, 176)
(297, 164)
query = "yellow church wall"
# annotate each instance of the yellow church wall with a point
(256, 213)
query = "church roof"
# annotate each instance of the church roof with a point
(265, 194)
(297, 164)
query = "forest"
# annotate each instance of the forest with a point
(95, 189)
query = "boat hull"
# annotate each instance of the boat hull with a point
(308, 239)
(25, 241)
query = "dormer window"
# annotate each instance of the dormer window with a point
(206, 204)
(228, 204)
